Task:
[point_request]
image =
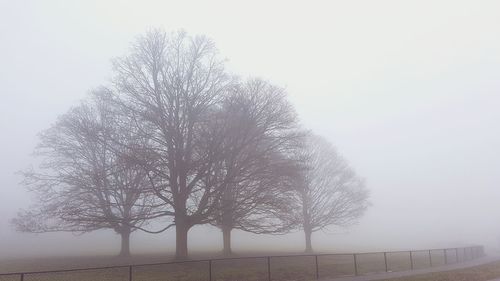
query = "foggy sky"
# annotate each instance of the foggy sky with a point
(408, 91)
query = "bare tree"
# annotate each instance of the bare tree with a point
(86, 180)
(172, 86)
(330, 192)
(260, 135)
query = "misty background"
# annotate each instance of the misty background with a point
(409, 93)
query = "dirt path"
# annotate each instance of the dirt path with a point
(383, 276)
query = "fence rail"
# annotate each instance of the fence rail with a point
(265, 268)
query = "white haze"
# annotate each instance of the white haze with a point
(408, 91)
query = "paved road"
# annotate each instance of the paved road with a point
(382, 276)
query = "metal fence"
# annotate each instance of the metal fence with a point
(265, 268)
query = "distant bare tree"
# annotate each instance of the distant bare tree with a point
(259, 138)
(86, 180)
(330, 192)
(172, 86)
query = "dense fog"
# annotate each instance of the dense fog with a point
(408, 92)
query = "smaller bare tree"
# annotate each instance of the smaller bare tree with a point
(87, 180)
(330, 193)
(260, 133)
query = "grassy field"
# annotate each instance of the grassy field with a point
(477, 273)
(293, 268)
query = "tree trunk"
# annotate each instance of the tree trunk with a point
(125, 248)
(306, 223)
(181, 241)
(226, 237)
(308, 234)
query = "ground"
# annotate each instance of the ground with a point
(291, 268)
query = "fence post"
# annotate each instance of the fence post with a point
(129, 273)
(355, 265)
(456, 254)
(22, 276)
(430, 258)
(465, 258)
(385, 261)
(268, 268)
(411, 260)
(445, 256)
(209, 270)
(317, 269)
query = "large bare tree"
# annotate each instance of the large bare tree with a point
(86, 180)
(260, 135)
(330, 193)
(172, 86)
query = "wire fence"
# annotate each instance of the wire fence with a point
(264, 268)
